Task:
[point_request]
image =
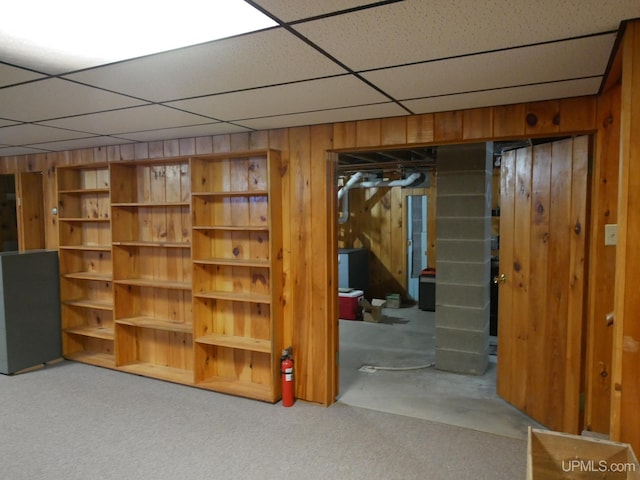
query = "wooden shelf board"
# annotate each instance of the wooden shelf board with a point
(170, 374)
(89, 303)
(87, 247)
(133, 243)
(105, 333)
(150, 204)
(156, 323)
(235, 296)
(236, 387)
(233, 341)
(84, 219)
(106, 277)
(232, 262)
(83, 191)
(243, 193)
(233, 228)
(93, 358)
(143, 282)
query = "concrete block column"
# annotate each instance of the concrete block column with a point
(463, 257)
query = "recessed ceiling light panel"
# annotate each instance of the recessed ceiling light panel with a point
(66, 35)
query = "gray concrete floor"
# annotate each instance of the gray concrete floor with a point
(406, 339)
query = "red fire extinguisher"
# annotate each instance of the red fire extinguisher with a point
(286, 369)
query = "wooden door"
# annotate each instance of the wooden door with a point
(543, 207)
(30, 211)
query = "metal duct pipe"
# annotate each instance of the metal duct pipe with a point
(343, 194)
(353, 182)
(405, 182)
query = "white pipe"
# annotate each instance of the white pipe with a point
(343, 193)
(393, 183)
(350, 183)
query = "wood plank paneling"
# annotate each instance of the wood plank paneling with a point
(557, 279)
(519, 274)
(542, 302)
(323, 247)
(344, 135)
(393, 131)
(448, 127)
(279, 140)
(368, 133)
(576, 280)
(506, 307)
(576, 115)
(540, 233)
(420, 128)
(299, 311)
(377, 222)
(301, 266)
(602, 260)
(542, 118)
(625, 401)
(508, 121)
(477, 123)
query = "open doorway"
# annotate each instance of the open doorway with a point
(389, 366)
(543, 187)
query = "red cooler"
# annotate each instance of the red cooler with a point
(351, 305)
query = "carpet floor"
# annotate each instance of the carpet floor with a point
(73, 421)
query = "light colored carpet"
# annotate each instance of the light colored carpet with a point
(73, 421)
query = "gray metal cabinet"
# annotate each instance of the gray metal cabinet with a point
(353, 268)
(29, 310)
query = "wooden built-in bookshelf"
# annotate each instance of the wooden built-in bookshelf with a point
(237, 273)
(150, 204)
(172, 269)
(86, 272)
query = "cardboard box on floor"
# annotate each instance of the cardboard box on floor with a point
(554, 455)
(372, 311)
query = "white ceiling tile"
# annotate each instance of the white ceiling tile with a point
(543, 63)
(29, 134)
(136, 119)
(415, 30)
(53, 98)
(10, 75)
(184, 132)
(11, 151)
(249, 61)
(289, 11)
(90, 142)
(529, 93)
(326, 116)
(335, 92)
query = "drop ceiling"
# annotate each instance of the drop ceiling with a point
(329, 61)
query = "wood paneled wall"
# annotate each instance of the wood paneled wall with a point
(378, 222)
(602, 259)
(309, 198)
(625, 401)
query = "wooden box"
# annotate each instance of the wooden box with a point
(554, 456)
